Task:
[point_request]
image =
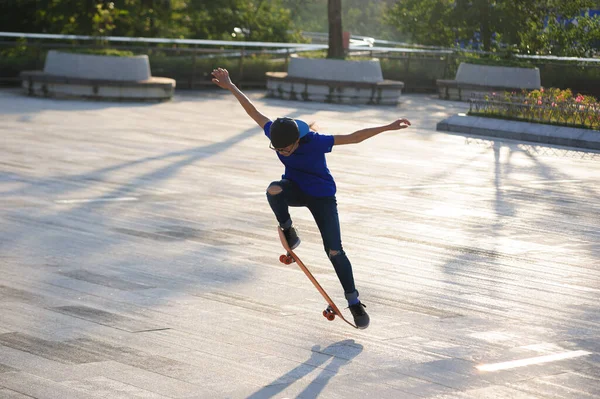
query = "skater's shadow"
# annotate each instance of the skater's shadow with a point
(338, 354)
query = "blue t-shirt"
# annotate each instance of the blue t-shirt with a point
(307, 166)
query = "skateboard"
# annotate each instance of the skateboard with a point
(290, 257)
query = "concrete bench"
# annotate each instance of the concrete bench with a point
(97, 77)
(474, 80)
(335, 81)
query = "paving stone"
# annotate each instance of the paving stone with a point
(10, 394)
(109, 281)
(107, 318)
(106, 388)
(37, 387)
(5, 369)
(561, 385)
(491, 392)
(56, 351)
(140, 257)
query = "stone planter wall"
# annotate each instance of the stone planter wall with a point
(97, 77)
(335, 81)
(472, 80)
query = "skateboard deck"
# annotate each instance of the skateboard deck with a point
(290, 257)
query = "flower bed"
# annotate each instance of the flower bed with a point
(551, 106)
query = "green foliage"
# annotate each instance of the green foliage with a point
(574, 40)
(496, 59)
(20, 47)
(418, 74)
(148, 18)
(19, 16)
(365, 18)
(309, 15)
(499, 23)
(359, 17)
(15, 60)
(185, 70)
(256, 20)
(314, 54)
(101, 51)
(580, 77)
(427, 22)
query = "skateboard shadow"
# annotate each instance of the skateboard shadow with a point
(338, 355)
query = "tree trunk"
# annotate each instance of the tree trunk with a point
(336, 45)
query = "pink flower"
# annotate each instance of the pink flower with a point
(554, 104)
(542, 89)
(540, 102)
(579, 98)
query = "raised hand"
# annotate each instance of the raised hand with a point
(221, 78)
(399, 124)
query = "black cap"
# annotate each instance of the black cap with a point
(284, 131)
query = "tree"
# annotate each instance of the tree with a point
(19, 16)
(427, 22)
(531, 26)
(360, 17)
(363, 17)
(336, 44)
(256, 20)
(86, 17)
(148, 18)
(262, 20)
(66, 16)
(568, 31)
(481, 17)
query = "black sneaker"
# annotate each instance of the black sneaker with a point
(292, 237)
(361, 318)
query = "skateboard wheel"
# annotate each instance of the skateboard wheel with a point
(283, 259)
(289, 260)
(328, 314)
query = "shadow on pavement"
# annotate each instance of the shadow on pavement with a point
(340, 354)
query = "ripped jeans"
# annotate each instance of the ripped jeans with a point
(324, 210)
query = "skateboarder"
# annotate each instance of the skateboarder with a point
(308, 182)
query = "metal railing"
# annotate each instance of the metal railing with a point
(359, 43)
(189, 61)
(547, 110)
(355, 44)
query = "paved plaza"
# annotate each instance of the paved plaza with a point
(139, 257)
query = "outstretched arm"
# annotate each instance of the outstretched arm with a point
(221, 79)
(361, 135)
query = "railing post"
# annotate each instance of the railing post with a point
(38, 55)
(447, 61)
(193, 66)
(241, 67)
(287, 58)
(407, 69)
